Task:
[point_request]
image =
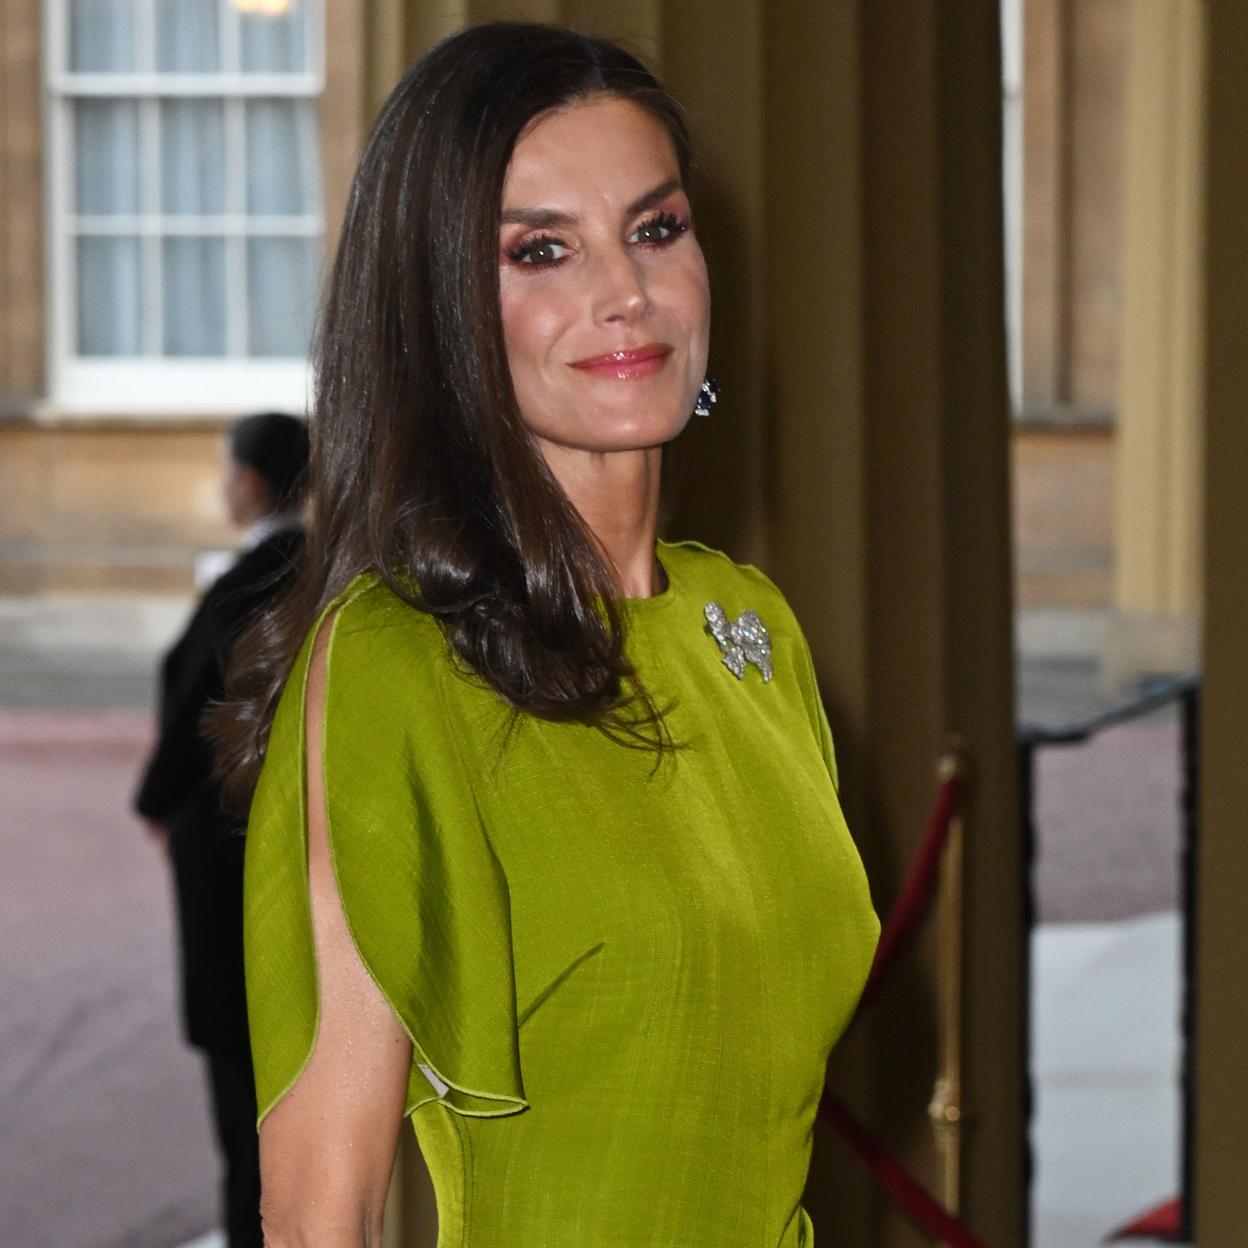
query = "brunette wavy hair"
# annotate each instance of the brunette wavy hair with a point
(422, 468)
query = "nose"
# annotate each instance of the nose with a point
(619, 288)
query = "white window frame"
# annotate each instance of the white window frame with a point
(150, 385)
(1012, 187)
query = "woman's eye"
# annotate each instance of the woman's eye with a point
(661, 228)
(538, 252)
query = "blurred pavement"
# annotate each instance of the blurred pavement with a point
(107, 1136)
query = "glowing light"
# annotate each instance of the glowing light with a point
(265, 8)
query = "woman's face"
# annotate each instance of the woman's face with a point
(605, 305)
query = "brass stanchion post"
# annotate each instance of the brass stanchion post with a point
(945, 1108)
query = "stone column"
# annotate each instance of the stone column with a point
(1221, 1074)
(341, 107)
(21, 208)
(1158, 537)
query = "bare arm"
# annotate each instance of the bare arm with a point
(327, 1147)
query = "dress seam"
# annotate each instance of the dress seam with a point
(465, 1189)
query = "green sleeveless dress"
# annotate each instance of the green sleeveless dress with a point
(621, 982)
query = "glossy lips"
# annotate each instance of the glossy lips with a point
(633, 365)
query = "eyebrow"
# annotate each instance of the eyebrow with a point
(550, 217)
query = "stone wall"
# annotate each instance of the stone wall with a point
(107, 508)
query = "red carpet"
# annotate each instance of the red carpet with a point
(1160, 1223)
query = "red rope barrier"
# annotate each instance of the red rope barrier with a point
(897, 934)
(916, 896)
(909, 1194)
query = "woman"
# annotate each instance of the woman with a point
(568, 883)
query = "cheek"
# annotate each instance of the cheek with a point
(685, 291)
(700, 293)
(534, 318)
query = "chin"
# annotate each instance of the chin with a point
(637, 433)
(644, 424)
(620, 426)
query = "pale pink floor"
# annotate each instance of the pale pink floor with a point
(1108, 824)
(106, 1139)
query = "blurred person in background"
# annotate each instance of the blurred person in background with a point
(264, 475)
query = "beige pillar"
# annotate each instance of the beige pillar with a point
(1046, 203)
(1157, 579)
(396, 32)
(1075, 55)
(713, 60)
(936, 602)
(21, 207)
(342, 120)
(815, 453)
(1221, 1074)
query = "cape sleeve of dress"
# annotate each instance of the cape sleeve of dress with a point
(425, 899)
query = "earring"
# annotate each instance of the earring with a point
(708, 396)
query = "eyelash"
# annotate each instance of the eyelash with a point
(661, 221)
(665, 221)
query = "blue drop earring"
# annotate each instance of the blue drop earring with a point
(708, 396)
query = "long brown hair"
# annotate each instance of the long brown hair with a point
(422, 468)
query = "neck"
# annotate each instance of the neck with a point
(617, 495)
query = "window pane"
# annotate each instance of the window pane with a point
(281, 294)
(276, 43)
(108, 296)
(283, 167)
(194, 277)
(192, 156)
(106, 140)
(187, 36)
(101, 36)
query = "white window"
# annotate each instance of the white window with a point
(184, 188)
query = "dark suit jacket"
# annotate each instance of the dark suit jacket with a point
(177, 788)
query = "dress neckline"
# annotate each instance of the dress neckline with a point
(636, 607)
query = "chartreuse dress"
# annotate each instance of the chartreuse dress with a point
(621, 982)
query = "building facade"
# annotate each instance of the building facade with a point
(171, 176)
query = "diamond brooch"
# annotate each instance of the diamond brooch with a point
(742, 641)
